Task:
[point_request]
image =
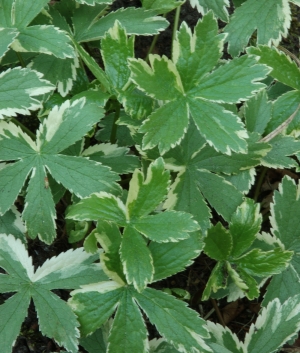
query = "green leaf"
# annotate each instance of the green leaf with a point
(179, 325)
(168, 258)
(167, 226)
(85, 304)
(218, 7)
(244, 226)
(134, 20)
(283, 69)
(14, 310)
(98, 206)
(282, 147)
(218, 243)
(253, 15)
(56, 319)
(63, 127)
(161, 6)
(264, 263)
(136, 259)
(7, 35)
(128, 332)
(224, 337)
(217, 280)
(145, 194)
(24, 84)
(269, 332)
(117, 158)
(93, 2)
(258, 112)
(60, 72)
(11, 223)
(94, 342)
(195, 89)
(44, 39)
(68, 270)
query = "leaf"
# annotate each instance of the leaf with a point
(134, 20)
(244, 226)
(56, 319)
(85, 304)
(282, 147)
(283, 69)
(276, 324)
(168, 258)
(25, 84)
(98, 206)
(258, 112)
(44, 39)
(128, 332)
(145, 194)
(11, 223)
(62, 128)
(262, 264)
(161, 6)
(167, 226)
(117, 158)
(196, 89)
(60, 72)
(218, 243)
(179, 325)
(242, 25)
(7, 36)
(136, 259)
(218, 7)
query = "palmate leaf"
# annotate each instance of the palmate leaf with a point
(144, 196)
(179, 325)
(45, 39)
(56, 319)
(197, 164)
(194, 89)
(217, 6)
(64, 126)
(236, 259)
(242, 25)
(25, 84)
(285, 227)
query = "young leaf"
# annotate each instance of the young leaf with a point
(218, 243)
(233, 82)
(68, 270)
(242, 25)
(25, 84)
(143, 197)
(63, 127)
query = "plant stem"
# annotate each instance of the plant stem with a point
(113, 134)
(24, 128)
(20, 59)
(175, 26)
(151, 47)
(259, 183)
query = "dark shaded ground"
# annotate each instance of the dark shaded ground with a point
(238, 315)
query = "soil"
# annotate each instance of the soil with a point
(238, 315)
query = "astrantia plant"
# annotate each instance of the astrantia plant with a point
(142, 164)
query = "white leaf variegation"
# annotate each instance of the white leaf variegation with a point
(24, 84)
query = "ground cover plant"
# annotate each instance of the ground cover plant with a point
(144, 165)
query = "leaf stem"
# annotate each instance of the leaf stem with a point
(176, 22)
(24, 128)
(259, 183)
(113, 134)
(20, 59)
